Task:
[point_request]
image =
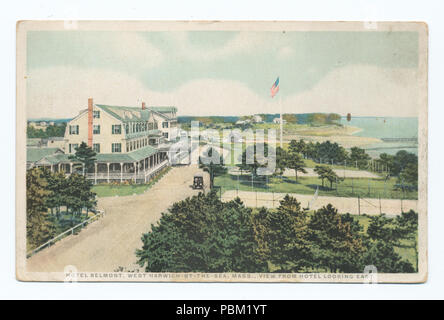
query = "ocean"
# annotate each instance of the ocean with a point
(399, 133)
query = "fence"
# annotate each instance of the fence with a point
(100, 213)
(350, 187)
(352, 205)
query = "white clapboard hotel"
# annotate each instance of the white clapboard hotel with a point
(131, 143)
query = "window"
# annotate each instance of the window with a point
(116, 129)
(96, 114)
(96, 147)
(74, 129)
(73, 147)
(116, 147)
(164, 124)
(150, 126)
(96, 129)
(127, 129)
(165, 134)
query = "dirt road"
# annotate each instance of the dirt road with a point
(111, 242)
(344, 205)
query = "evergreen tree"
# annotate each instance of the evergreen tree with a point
(328, 173)
(38, 227)
(337, 244)
(287, 237)
(295, 162)
(383, 237)
(257, 160)
(209, 164)
(85, 156)
(201, 234)
(281, 161)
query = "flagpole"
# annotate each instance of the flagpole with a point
(281, 122)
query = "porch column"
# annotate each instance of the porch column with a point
(95, 173)
(70, 168)
(135, 171)
(58, 167)
(121, 172)
(107, 170)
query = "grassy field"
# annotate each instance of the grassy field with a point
(369, 188)
(111, 190)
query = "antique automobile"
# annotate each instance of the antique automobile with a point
(198, 181)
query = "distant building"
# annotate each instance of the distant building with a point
(242, 122)
(257, 118)
(34, 143)
(55, 142)
(278, 120)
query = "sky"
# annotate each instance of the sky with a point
(224, 72)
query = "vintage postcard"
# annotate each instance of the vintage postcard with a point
(221, 151)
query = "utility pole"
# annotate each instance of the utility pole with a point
(273, 198)
(380, 207)
(352, 186)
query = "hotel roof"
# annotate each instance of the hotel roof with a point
(130, 114)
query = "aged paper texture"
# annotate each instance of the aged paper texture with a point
(212, 151)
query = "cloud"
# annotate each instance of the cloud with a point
(361, 90)
(128, 51)
(285, 52)
(240, 43)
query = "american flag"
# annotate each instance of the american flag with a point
(275, 88)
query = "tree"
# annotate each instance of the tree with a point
(337, 244)
(383, 256)
(401, 160)
(85, 155)
(295, 162)
(290, 118)
(213, 164)
(39, 229)
(57, 186)
(281, 160)
(407, 228)
(202, 234)
(323, 173)
(409, 175)
(297, 146)
(257, 160)
(287, 237)
(358, 156)
(386, 160)
(79, 195)
(383, 237)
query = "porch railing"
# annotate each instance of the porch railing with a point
(117, 175)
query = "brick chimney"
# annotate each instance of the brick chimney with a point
(90, 122)
(143, 106)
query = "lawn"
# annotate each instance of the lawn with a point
(111, 190)
(364, 187)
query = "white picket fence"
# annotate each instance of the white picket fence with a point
(100, 213)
